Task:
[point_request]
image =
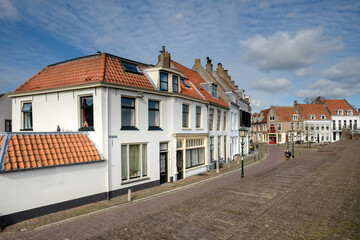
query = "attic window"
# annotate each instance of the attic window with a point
(214, 91)
(295, 117)
(183, 80)
(129, 67)
(322, 117)
(312, 116)
(349, 112)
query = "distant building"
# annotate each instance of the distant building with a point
(5, 113)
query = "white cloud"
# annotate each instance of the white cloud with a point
(303, 72)
(272, 85)
(8, 11)
(347, 70)
(330, 89)
(281, 52)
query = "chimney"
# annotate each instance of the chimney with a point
(295, 103)
(209, 66)
(164, 59)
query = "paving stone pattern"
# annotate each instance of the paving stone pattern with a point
(315, 196)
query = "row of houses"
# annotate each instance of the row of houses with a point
(91, 128)
(321, 121)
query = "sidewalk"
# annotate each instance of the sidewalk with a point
(314, 196)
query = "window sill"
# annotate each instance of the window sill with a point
(186, 128)
(30, 129)
(155, 129)
(87, 129)
(124, 182)
(128, 128)
(199, 128)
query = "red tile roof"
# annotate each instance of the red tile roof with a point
(196, 81)
(285, 114)
(339, 104)
(30, 151)
(94, 68)
(316, 109)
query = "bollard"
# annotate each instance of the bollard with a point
(129, 195)
(217, 166)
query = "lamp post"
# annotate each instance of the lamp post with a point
(292, 141)
(242, 132)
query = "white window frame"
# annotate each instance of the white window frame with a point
(142, 171)
(23, 114)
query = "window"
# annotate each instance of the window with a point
(339, 122)
(225, 143)
(317, 127)
(184, 82)
(350, 124)
(224, 123)
(154, 115)
(340, 112)
(27, 116)
(175, 81)
(86, 113)
(8, 126)
(128, 113)
(327, 127)
(211, 115)
(129, 67)
(292, 125)
(214, 90)
(355, 124)
(219, 147)
(334, 127)
(198, 117)
(322, 127)
(298, 125)
(211, 149)
(312, 116)
(322, 117)
(349, 112)
(295, 117)
(272, 118)
(344, 123)
(185, 110)
(272, 128)
(279, 127)
(163, 81)
(133, 161)
(218, 119)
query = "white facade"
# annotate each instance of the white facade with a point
(318, 131)
(340, 122)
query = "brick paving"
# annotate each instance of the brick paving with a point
(315, 196)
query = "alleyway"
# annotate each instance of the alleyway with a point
(314, 196)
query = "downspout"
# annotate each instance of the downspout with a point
(107, 144)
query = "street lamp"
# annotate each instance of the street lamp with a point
(243, 133)
(292, 140)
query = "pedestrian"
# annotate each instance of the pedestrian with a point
(287, 154)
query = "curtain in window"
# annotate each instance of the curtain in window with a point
(154, 118)
(188, 159)
(144, 160)
(134, 160)
(128, 112)
(124, 162)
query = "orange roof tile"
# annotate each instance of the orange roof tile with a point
(29, 157)
(196, 81)
(88, 69)
(339, 104)
(285, 113)
(313, 109)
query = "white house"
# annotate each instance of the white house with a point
(5, 113)
(145, 124)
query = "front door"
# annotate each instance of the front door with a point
(272, 139)
(179, 164)
(163, 167)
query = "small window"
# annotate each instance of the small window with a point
(312, 116)
(128, 113)
(8, 126)
(129, 67)
(349, 112)
(322, 117)
(175, 81)
(218, 120)
(163, 81)
(224, 123)
(214, 90)
(211, 116)
(272, 118)
(279, 127)
(295, 117)
(185, 110)
(198, 117)
(154, 115)
(87, 113)
(219, 147)
(184, 82)
(27, 116)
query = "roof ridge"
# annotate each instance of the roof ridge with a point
(74, 60)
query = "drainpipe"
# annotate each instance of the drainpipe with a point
(107, 144)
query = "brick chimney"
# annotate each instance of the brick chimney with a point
(209, 66)
(164, 59)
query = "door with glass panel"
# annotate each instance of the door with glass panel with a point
(179, 164)
(163, 167)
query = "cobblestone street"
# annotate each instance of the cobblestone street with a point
(315, 196)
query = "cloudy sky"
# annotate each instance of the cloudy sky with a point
(278, 51)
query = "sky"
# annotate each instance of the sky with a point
(278, 51)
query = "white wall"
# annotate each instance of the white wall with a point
(28, 189)
(5, 112)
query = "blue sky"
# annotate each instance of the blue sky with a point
(278, 51)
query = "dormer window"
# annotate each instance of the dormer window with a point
(312, 116)
(349, 112)
(130, 67)
(184, 82)
(175, 82)
(323, 117)
(295, 117)
(339, 112)
(272, 118)
(163, 81)
(214, 91)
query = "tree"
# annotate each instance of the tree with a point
(310, 100)
(308, 132)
